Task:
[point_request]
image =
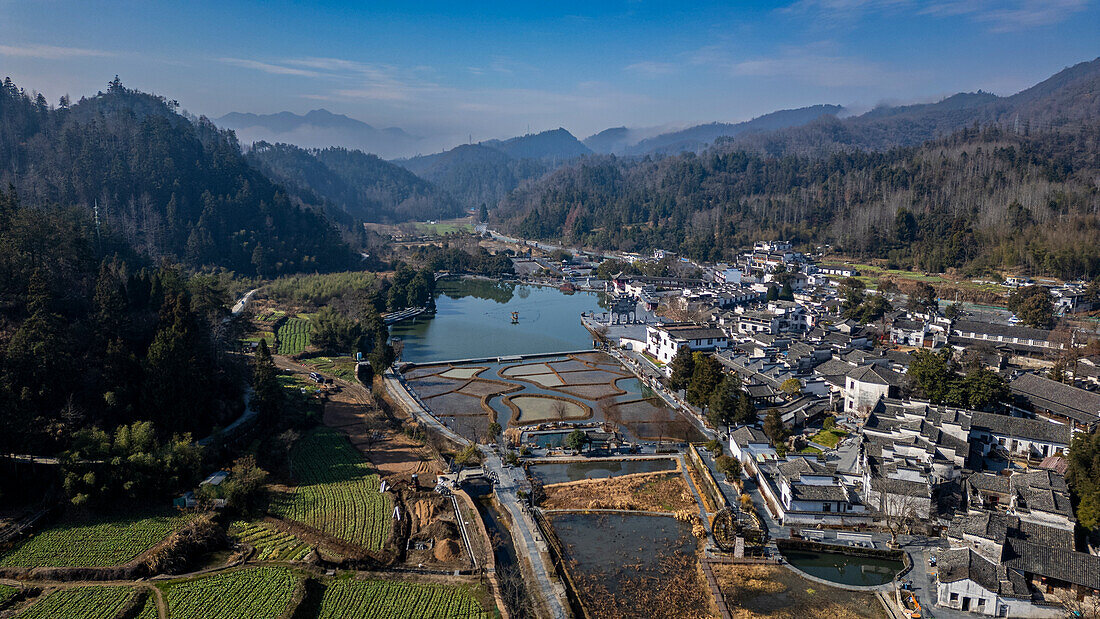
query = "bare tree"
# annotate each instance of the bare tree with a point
(899, 503)
(559, 409)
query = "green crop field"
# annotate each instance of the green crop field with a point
(7, 592)
(336, 493)
(149, 611)
(95, 542)
(270, 544)
(443, 228)
(383, 600)
(340, 367)
(255, 593)
(80, 603)
(293, 336)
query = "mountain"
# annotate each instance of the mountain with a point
(173, 187)
(1065, 100)
(475, 174)
(609, 141)
(957, 184)
(700, 136)
(360, 186)
(320, 129)
(556, 144)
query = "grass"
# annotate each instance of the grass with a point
(80, 603)
(337, 491)
(340, 367)
(97, 541)
(442, 228)
(293, 336)
(384, 600)
(829, 438)
(810, 450)
(261, 592)
(651, 492)
(270, 544)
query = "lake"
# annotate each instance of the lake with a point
(473, 320)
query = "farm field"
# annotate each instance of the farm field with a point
(7, 592)
(80, 603)
(270, 544)
(337, 491)
(398, 600)
(340, 367)
(293, 336)
(97, 542)
(655, 492)
(258, 593)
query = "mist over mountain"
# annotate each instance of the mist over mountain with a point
(321, 129)
(353, 184)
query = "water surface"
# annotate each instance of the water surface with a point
(844, 569)
(558, 472)
(473, 319)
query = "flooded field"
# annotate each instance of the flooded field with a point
(631, 565)
(558, 472)
(546, 389)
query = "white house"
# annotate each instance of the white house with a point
(749, 445)
(804, 491)
(865, 385)
(664, 341)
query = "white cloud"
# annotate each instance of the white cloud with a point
(650, 68)
(51, 52)
(819, 64)
(999, 15)
(266, 67)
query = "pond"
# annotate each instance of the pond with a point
(473, 319)
(558, 472)
(844, 569)
(622, 564)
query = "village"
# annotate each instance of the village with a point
(842, 443)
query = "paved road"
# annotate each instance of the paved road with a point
(525, 533)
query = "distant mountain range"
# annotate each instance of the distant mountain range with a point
(321, 129)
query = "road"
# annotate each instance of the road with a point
(525, 535)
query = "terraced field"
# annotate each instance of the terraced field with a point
(7, 592)
(293, 336)
(257, 593)
(80, 603)
(337, 492)
(398, 600)
(270, 544)
(95, 542)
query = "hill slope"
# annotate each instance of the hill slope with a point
(173, 187)
(357, 185)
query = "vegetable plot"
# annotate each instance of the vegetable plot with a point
(257, 593)
(80, 603)
(337, 493)
(95, 542)
(293, 336)
(398, 600)
(270, 544)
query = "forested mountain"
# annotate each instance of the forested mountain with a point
(321, 129)
(172, 186)
(475, 174)
(1065, 100)
(699, 137)
(92, 335)
(977, 199)
(353, 184)
(556, 144)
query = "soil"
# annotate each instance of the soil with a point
(753, 591)
(654, 492)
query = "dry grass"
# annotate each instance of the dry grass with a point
(753, 591)
(652, 492)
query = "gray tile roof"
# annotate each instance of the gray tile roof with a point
(1056, 397)
(1079, 568)
(1018, 427)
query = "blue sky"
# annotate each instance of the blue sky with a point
(491, 69)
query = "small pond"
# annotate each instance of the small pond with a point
(558, 472)
(844, 569)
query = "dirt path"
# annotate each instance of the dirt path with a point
(162, 604)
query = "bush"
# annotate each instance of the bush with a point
(730, 466)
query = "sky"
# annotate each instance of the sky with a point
(492, 69)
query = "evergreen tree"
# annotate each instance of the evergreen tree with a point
(682, 369)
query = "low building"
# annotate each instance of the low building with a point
(864, 386)
(1044, 397)
(805, 491)
(664, 341)
(751, 446)
(1019, 437)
